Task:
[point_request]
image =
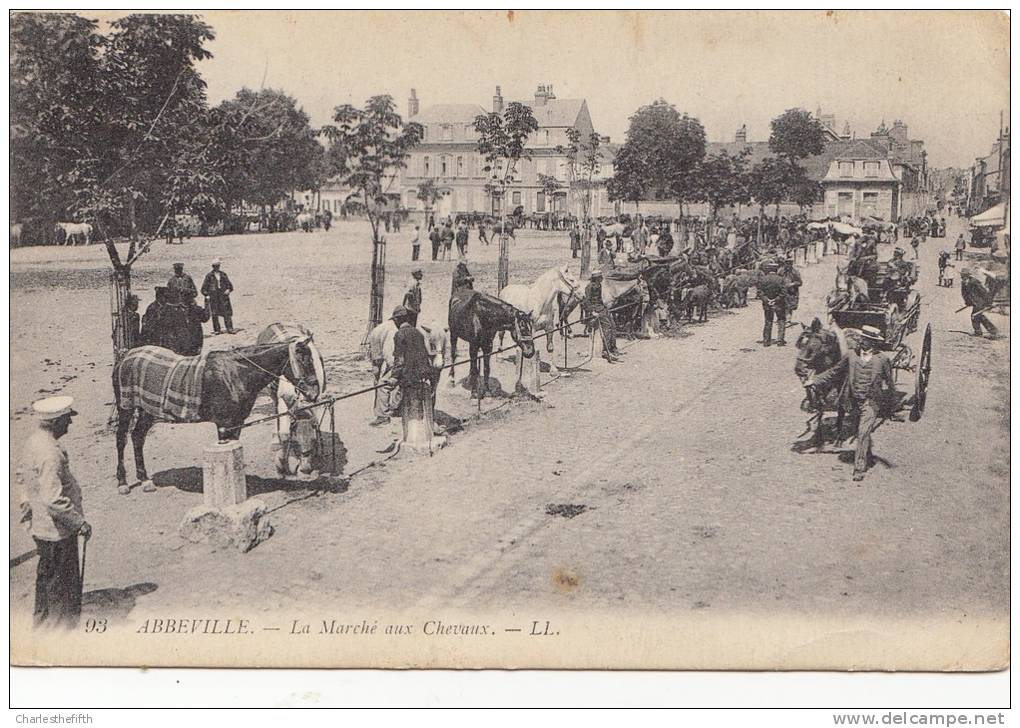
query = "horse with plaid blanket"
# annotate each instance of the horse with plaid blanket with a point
(152, 384)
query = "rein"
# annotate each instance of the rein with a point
(275, 375)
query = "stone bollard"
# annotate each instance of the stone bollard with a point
(223, 475)
(227, 517)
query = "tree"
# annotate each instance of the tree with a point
(796, 135)
(369, 146)
(429, 195)
(769, 180)
(629, 182)
(501, 142)
(583, 166)
(268, 147)
(723, 181)
(661, 153)
(550, 185)
(55, 114)
(683, 155)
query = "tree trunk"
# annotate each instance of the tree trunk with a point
(378, 278)
(586, 251)
(761, 217)
(120, 289)
(503, 268)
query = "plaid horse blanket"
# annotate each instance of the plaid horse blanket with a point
(164, 384)
(278, 332)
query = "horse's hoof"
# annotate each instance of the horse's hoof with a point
(123, 489)
(148, 486)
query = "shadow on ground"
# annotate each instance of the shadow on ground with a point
(114, 604)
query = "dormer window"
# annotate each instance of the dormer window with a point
(446, 133)
(846, 169)
(871, 169)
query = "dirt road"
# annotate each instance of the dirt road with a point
(664, 483)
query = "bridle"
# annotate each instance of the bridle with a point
(292, 362)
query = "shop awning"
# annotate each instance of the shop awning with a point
(994, 216)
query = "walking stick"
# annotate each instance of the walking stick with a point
(84, 550)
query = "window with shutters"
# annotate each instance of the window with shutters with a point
(427, 166)
(460, 166)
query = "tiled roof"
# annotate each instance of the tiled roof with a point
(556, 112)
(449, 114)
(860, 149)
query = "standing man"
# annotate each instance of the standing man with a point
(596, 307)
(980, 299)
(665, 242)
(793, 283)
(380, 350)
(51, 511)
(868, 373)
(412, 299)
(575, 241)
(447, 238)
(915, 242)
(435, 240)
(217, 288)
(181, 285)
(961, 245)
(462, 240)
(943, 264)
(416, 243)
(412, 369)
(772, 292)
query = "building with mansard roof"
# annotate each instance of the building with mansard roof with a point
(448, 155)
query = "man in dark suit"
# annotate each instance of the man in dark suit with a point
(216, 288)
(181, 285)
(868, 378)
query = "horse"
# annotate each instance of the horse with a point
(285, 396)
(71, 230)
(850, 288)
(227, 384)
(543, 299)
(477, 317)
(818, 350)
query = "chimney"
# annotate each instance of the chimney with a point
(412, 104)
(497, 101)
(543, 94)
(741, 136)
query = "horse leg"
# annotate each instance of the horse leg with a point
(123, 425)
(473, 375)
(453, 359)
(142, 426)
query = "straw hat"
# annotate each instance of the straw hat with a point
(52, 408)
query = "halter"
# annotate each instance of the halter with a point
(294, 366)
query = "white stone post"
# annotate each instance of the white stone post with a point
(223, 483)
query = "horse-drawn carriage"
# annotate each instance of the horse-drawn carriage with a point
(879, 297)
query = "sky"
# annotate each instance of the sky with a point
(945, 74)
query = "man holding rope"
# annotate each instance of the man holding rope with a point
(596, 307)
(51, 511)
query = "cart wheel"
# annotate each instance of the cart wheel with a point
(923, 373)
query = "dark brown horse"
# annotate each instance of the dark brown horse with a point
(476, 318)
(230, 383)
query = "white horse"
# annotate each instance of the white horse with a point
(71, 230)
(542, 300)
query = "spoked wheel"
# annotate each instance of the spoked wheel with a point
(922, 375)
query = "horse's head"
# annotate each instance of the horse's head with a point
(817, 350)
(304, 368)
(436, 336)
(523, 333)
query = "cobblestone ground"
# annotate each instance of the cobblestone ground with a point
(675, 467)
